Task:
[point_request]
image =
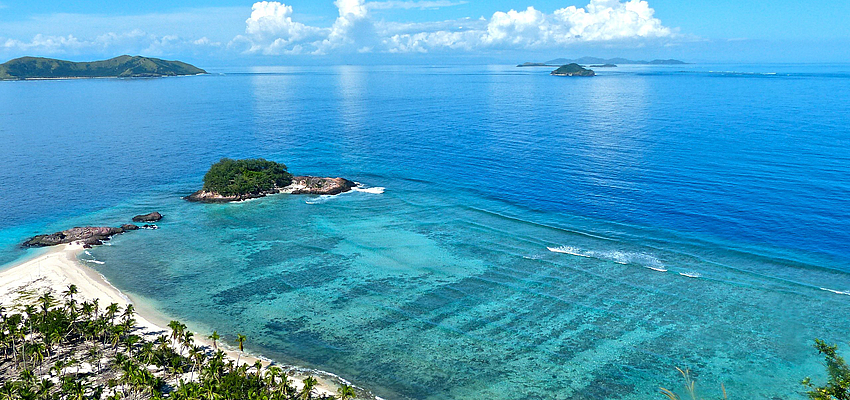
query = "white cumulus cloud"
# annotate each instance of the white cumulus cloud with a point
(272, 30)
(353, 29)
(275, 28)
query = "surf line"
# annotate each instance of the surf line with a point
(573, 251)
(836, 291)
(568, 250)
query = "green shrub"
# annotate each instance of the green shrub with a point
(237, 177)
(838, 385)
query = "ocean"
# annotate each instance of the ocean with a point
(524, 236)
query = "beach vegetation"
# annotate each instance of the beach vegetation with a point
(230, 177)
(70, 348)
(837, 386)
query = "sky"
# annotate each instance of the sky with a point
(230, 32)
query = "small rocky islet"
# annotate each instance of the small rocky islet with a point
(236, 180)
(573, 70)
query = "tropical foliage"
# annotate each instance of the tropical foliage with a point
(65, 349)
(838, 385)
(238, 177)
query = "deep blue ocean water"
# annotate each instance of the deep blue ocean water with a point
(538, 237)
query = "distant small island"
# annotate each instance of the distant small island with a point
(573, 70)
(235, 180)
(599, 61)
(531, 64)
(27, 68)
(604, 66)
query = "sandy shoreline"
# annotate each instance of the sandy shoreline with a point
(59, 267)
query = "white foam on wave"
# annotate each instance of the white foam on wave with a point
(847, 293)
(617, 256)
(365, 189)
(568, 250)
(691, 274)
(359, 188)
(319, 200)
(95, 261)
(87, 252)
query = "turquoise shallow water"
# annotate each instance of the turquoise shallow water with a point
(444, 285)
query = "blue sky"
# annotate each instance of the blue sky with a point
(299, 31)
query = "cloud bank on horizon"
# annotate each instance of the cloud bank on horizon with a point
(273, 28)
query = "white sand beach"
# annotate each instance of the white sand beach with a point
(59, 267)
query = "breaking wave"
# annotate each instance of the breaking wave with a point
(370, 190)
(847, 293)
(617, 256)
(319, 200)
(373, 190)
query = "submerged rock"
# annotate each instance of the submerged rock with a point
(151, 217)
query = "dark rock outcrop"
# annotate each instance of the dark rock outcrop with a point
(300, 185)
(129, 227)
(203, 196)
(151, 217)
(321, 186)
(90, 236)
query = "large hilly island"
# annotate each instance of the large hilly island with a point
(118, 67)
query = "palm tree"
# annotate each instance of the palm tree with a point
(96, 305)
(87, 309)
(47, 302)
(214, 337)
(72, 290)
(188, 338)
(272, 372)
(177, 330)
(44, 388)
(9, 391)
(240, 338)
(128, 312)
(111, 310)
(309, 384)
(346, 392)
